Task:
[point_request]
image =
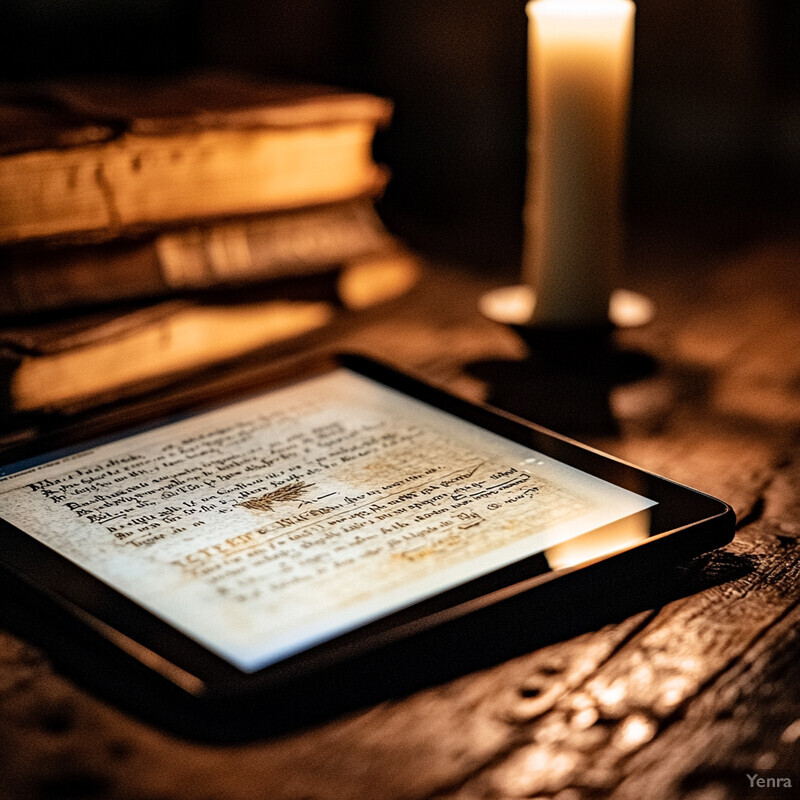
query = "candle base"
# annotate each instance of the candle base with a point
(567, 378)
(514, 305)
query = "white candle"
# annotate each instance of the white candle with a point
(580, 55)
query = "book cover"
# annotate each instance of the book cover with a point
(83, 161)
(235, 252)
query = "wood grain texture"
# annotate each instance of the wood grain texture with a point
(675, 701)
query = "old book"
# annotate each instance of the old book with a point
(85, 360)
(93, 160)
(263, 248)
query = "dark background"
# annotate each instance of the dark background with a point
(715, 124)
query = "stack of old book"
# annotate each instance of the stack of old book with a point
(149, 230)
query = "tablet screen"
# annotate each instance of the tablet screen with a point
(278, 522)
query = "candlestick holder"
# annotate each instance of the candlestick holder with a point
(566, 309)
(567, 378)
(514, 306)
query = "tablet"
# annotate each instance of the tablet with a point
(236, 549)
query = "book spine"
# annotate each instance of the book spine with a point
(260, 249)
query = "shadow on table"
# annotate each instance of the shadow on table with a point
(514, 629)
(556, 611)
(565, 381)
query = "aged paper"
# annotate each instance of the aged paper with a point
(272, 524)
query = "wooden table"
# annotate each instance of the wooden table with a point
(681, 700)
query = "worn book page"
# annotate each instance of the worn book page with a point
(275, 523)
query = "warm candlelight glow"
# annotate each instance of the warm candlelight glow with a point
(580, 64)
(600, 542)
(588, 10)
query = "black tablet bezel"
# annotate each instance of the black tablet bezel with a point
(684, 522)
